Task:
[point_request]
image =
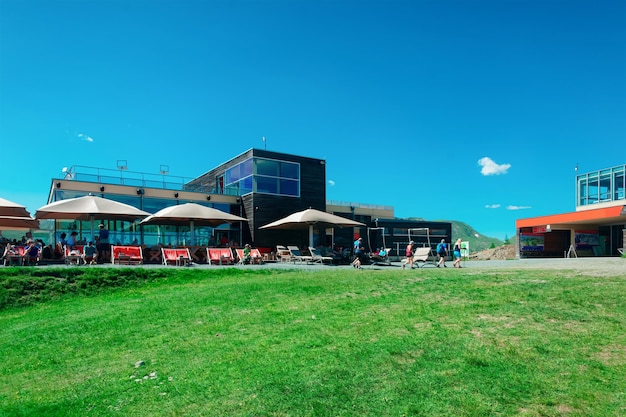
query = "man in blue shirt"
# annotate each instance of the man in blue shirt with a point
(442, 251)
(359, 252)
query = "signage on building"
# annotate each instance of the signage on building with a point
(540, 229)
(532, 242)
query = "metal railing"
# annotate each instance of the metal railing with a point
(130, 178)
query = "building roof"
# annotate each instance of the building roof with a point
(607, 215)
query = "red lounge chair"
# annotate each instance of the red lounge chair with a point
(126, 254)
(255, 256)
(219, 256)
(178, 257)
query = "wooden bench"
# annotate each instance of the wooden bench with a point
(178, 257)
(126, 254)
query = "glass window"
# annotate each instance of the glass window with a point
(267, 167)
(618, 185)
(605, 185)
(582, 191)
(232, 189)
(593, 188)
(289, 187)
(400, 231)
(245, 185)
(290, 170)
(266, 185)
(233, 174)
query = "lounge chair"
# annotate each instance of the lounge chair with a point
(283, 254)
(219, 256)
(422, 255)
(381, 257)
(317, 257)
(255, 256)
(297, 256)
(178, 257)
(127, 254)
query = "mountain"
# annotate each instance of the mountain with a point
(477, 241)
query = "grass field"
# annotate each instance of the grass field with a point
(336, 342)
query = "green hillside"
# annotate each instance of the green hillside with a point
(477, 241)
(467, 233)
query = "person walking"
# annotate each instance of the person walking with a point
(456, 252)
(409, 255)
(442, 251)
(359, 252)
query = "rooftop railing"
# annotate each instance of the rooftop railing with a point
(358, 205)
(130, 178)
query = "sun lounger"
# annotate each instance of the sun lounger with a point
(317, 257)
(381, 258)
(422, 255)
(255, 256)
(178, 257)
(126, 254)
(283, 254)
(219, 256)
(297, 255)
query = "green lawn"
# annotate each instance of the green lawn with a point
(335, 342)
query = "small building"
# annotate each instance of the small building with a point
(596, 228)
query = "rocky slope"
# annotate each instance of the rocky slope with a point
(498, 253)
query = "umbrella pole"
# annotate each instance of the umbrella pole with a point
(191, 233)
(92, 227)
(311, 235)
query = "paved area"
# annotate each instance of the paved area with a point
(591, 266)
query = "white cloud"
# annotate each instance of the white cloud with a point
(331, 183)
(518, 207)
(490, 167)
(86, 138)
(492, 206)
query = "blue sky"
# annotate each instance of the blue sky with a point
(475, 111)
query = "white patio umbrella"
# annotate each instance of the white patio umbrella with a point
(89, 207)
(14, 216)
(191, 214)
(308, 218)
(18, 223)
(9, 208)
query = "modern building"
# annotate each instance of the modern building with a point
(596, 228)
(260, 185)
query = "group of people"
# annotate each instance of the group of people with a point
(442, 253)
(91, 252)
(30, 255)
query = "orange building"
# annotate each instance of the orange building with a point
(596, 228)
